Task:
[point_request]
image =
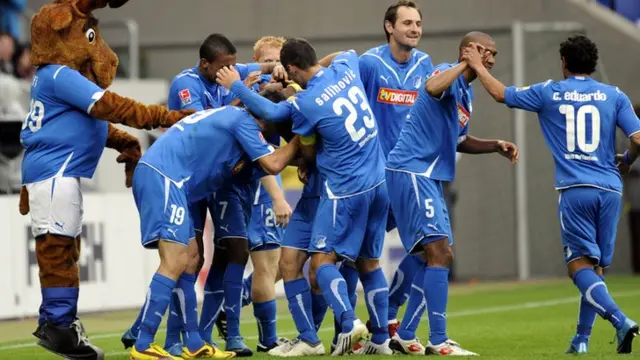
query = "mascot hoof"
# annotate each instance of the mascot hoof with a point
(69, 342)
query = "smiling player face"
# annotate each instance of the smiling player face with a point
(407, 30)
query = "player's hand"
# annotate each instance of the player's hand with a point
(227, 76)
(623, 167)
(508, 150)
(252, 79)
(279, 73)
(303, 175)
(283, 212)
(473, 55)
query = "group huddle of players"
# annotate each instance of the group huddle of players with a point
(373, 138)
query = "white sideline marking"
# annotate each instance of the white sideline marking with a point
(471, 312)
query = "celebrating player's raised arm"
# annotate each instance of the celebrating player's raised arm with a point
(263, 108)
(439, 82)
(473, 55)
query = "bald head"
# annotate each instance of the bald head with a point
(477, 37)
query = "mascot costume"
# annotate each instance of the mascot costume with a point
(69, 124)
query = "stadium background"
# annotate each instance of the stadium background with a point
(166, 37)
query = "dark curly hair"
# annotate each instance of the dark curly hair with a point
(580, 54)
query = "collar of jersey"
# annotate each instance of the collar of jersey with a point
(579, 78)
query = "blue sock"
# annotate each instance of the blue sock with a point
(233, 298)
(318, 309)
(59, 305)
(212, 303)
(377, 295)
(586, 317)
(246, 290)
(351, 276)
(401, 285)
(158, 298)
(188, 305)
(265, 313)
(595, 292)
(334, 289)
(174, 320)
(300, 305)
(415, 307)
(436, 293)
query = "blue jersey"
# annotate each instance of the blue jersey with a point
(578, 117)
(58, 134)
(189, 90)
(207, 148)
(392, 88)
(428, 141)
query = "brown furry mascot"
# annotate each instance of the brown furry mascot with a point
(69, 124)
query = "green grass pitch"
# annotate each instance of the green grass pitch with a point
(514, 320)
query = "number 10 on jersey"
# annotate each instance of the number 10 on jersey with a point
(577, 127)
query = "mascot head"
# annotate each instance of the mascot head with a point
(66, 33)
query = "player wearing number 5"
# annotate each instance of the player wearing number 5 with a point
(578, 117)
(181, 167)
(352, 211)
(421, 160)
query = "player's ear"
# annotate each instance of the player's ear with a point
(388, 26)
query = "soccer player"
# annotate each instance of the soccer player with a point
(355, 200)
(183, 166)
(195, 88)
(579, 117)
(421, 160)
(392, 74)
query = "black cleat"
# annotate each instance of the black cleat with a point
(68, 342)
(280, 341)
(221, 324)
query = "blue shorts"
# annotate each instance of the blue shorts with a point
(198, 211)
(589, 222)
(231, 213)
(298, 234)
(163, 207)
(419, 202)
(263, 232)
(353, 227)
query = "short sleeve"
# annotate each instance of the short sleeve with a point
(528, 98)
(185, 94)
(76, 90)
(302, 125)
(251, 139)
(627, 120)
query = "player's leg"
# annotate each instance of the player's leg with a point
(376, 290)
(337, 234)
(586, 318)
(213, 293)
(165, 224)
(247, 284)
(56, 221)
(264, 246)
(589, 219)
(349, 272)
(307, 309)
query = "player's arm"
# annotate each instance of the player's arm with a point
(473, 145)
(308, 147)
(129, 148)
(439, 82)
(263, 108)
(77, 91)
(276, 161)
(186, 92)
(472, 55)
(281, 207)
(628, 121)
(326, 61)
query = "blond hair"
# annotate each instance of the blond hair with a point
(267, 41)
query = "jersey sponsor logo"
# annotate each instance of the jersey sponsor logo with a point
(463, 116)
(264, 141)
(185, 96)
(238, 167)
(397, 97)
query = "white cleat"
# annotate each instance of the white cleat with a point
(407, 347)
(345, 342)
(371, 348)
(448, 348)
(297, 347)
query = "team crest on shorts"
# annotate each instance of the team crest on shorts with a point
(185, 96)
(320, 241)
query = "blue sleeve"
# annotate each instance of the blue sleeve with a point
(251, 139)
(627, 120)
(528, 98)
(76, 90)
(453, 88)
(365, 69)
(350, 58)
(18, 5)
(245, 69)
(260, 106)
(301, 124)
(185, 94)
